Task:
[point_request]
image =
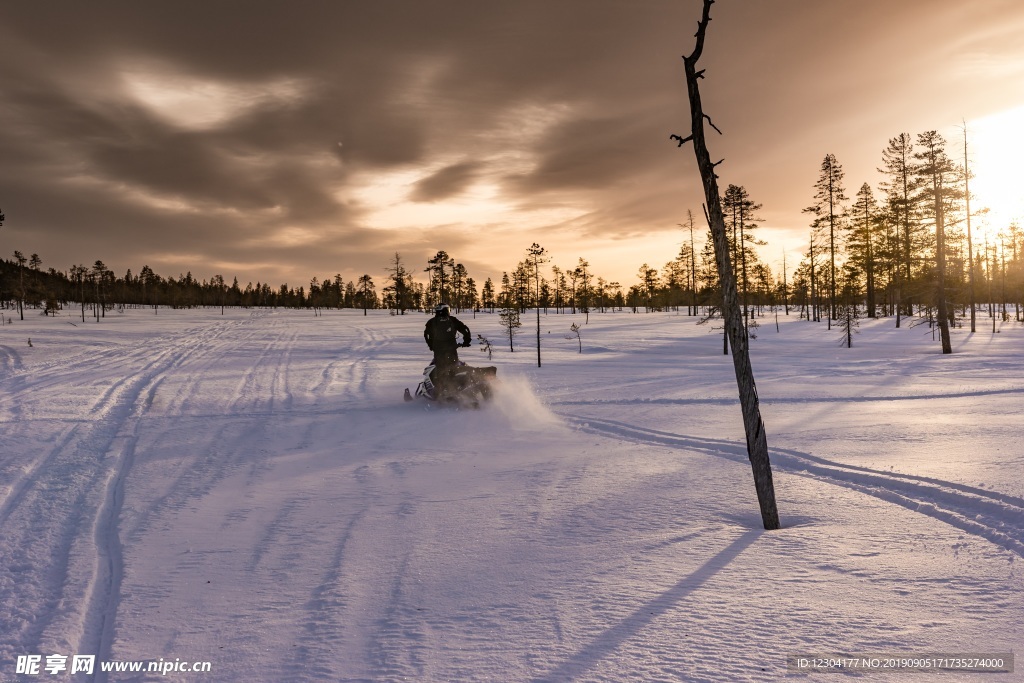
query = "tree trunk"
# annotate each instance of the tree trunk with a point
(832, 251)
(757, 442)
(870, 263)
(940, 257)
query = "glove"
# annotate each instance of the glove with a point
(468, 342)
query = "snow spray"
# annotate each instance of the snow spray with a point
(515, 399)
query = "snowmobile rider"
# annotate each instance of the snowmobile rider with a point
(441, 335)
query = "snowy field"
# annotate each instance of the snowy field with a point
(250, 490)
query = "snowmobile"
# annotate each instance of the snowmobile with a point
(466, 387)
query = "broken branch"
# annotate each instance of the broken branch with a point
(712, 123)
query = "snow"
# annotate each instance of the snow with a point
(249, 489)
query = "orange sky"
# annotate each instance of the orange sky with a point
(306, 139)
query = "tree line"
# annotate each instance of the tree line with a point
(96, 290)
(907, 250)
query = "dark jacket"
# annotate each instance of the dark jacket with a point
(440, 334)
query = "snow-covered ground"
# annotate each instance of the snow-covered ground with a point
(250, 490)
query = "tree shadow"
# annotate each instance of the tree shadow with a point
(609, 641)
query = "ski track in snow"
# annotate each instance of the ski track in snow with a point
(993, 516)
(785, 400)
(325, 625)
(358, 360)
(79, 486)
(11, 361)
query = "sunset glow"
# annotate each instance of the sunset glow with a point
(995, 152)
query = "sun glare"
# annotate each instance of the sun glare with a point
(995, 153)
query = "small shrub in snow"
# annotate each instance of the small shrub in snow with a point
(848, 323)
(510, 324)
(576, 331)
(485, 345)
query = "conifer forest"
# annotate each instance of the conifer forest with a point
(904, 249)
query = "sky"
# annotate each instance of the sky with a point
(277, 142)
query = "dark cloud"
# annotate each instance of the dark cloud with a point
(592, 153)
(449, 181)
(275, 136)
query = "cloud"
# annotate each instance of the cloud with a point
(193, 103)
(448, 181)
(200, 132)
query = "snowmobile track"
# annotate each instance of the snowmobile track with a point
(63, 510)
(786, 400)
(996, 517)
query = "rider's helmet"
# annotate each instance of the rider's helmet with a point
(442, 310)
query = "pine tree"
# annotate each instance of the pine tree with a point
(709, 274)
(864, 240)
(521, 286)
(439, 268)
(558, 282)
(510, 323)
(828, 210)
(675, 277)
(583, 293)
(505, 297)
(98, 275)
(741, 215)
(20, 259)
(400, 284)
(220, 289)
(814, 273)
(848, 323)
(367, 293)
(899, 186)
(78, 274)
(470, 299)
(934, 168)
(785, 284)
(458, 280)
(648, 285)
(600, 292)
(535, 257)
(573, 276)
(337, 290)
(1015, 276)
(692, 263)
(487, 295)
(848, 314)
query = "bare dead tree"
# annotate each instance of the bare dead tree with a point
(535, 257)
(757, 441)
